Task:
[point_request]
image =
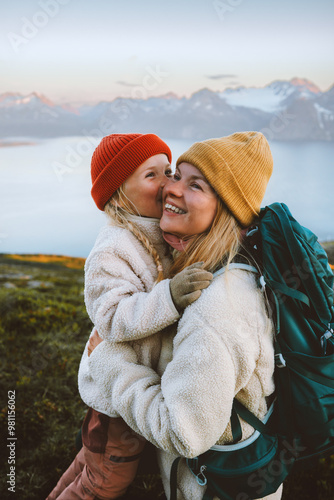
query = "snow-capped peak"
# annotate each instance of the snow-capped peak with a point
(304, 84)
(271, 98)
(268, 99)
(9, 98)
(15, 99)
(35, 97)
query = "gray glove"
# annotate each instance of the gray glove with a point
(186, 286)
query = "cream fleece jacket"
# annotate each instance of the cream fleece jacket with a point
(223, 348)
(124, 304)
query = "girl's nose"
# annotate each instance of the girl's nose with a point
(163, 182)
(164, 179)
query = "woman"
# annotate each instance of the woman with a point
(224, 343)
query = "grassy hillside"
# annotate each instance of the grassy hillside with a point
(43, 329)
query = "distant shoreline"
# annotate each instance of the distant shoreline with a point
(79, 262)
(16, 143)
(63, 260)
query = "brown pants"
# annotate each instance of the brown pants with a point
(107, 463)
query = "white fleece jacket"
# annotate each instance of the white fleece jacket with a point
(223, 348)
(123, 304)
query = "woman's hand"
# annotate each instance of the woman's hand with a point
(94, 341)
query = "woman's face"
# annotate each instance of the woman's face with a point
(190, 203)
(144, 187)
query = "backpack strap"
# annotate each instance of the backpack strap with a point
(298, 368)
(209, 494)
(235, 265)
(173, 479)
(291, 292)
(250, 418)
(235, 426)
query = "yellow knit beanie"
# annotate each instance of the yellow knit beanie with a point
(238, 167)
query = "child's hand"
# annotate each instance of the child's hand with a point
(94, 341)
(186, 286)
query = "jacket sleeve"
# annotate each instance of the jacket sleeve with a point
(185, 411)
(118, 304)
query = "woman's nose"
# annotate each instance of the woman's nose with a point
(173, 188)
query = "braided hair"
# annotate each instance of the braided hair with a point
(117, 209)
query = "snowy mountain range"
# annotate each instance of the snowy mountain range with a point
(283, 110)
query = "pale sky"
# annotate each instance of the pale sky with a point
(79, 50)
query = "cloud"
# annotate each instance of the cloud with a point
(220, 77)
(127, 84)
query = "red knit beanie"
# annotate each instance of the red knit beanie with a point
(117, 157)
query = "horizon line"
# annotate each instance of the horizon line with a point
(80, 102)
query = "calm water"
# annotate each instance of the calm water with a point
(45, 203)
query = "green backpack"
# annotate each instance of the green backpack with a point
(299, 427)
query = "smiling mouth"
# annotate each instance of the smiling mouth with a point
(174, 210)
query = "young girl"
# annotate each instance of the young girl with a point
(128, 258)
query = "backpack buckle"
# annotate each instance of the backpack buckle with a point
(323, 340)
(200, 478)
(251, 231)
(262, 283)
(279, 360)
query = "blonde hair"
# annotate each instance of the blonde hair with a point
(216, 247)
(117, 209)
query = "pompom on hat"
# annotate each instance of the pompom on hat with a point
(117, 157)
(238, 167)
